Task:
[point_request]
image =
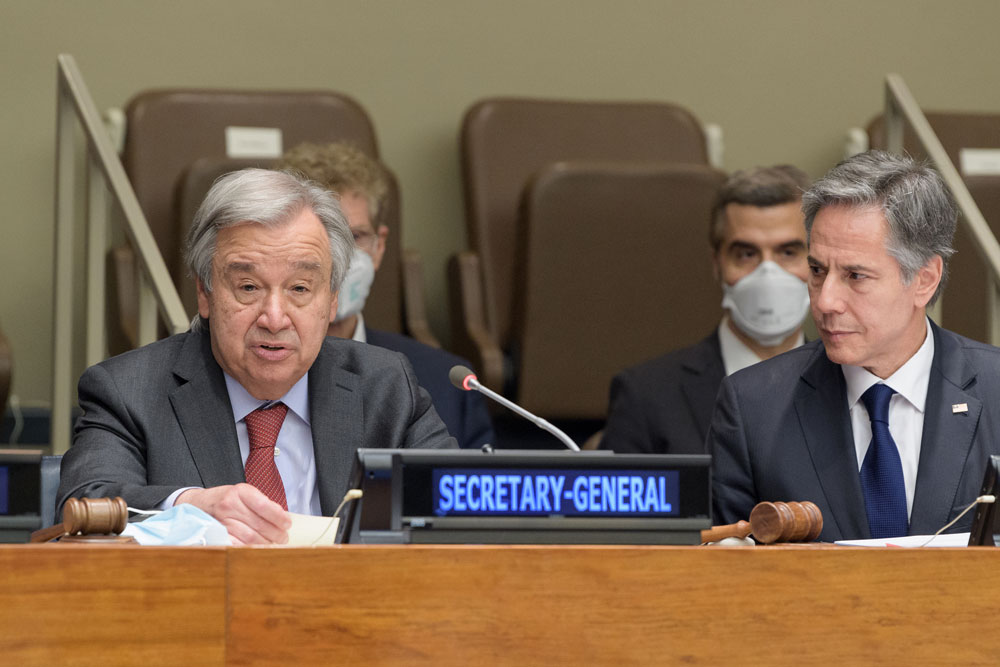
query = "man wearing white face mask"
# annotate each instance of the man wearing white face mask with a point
(363, 189)
(758, 252)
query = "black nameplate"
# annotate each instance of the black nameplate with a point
(509, 496)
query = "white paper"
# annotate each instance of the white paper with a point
(979, 161)
(946, 540)
(253, 142)
(307, 531)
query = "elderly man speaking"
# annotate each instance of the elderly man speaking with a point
(255, 411)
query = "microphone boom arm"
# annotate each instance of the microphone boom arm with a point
(472, 383)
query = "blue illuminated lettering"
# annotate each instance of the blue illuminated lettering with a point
(528, 497)
(609, 501)
(542, 493)
(502, 505)
(635, 495)
(515, 484)
(460, 505)
(556, 484)
(580, 494)
(487, 503)
(447, 494)
(536, 492)
(473, 492)
(652, 500)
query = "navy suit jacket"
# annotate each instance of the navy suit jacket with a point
(664, 406)
(158, 419)
(782, 431)
(463, 412)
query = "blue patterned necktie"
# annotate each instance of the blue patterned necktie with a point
(882, 471)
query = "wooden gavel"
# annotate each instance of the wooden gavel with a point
(773, 522)
(87, 516)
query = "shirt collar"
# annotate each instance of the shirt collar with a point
(909, 381)
(736, 355)
(297, 398)
(360, 334)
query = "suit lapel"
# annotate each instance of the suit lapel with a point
(826, 427)
(700, 384)
(201, 405)
(947, 436)
(337, 420)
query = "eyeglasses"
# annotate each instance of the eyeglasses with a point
(364, 239)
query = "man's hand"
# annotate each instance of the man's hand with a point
(248, 515)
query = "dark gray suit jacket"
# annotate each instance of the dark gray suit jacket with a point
(782, 431)
(463, 412)
(664, 406)
(158, 418)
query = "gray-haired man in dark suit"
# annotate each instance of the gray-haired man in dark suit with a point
(888, 421)
(256, 392)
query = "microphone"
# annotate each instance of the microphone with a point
(466, 380)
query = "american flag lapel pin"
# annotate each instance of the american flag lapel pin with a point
(957, 408)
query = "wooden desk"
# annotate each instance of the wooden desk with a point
(497, 605)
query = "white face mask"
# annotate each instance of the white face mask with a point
(357, 284)
(767, 304)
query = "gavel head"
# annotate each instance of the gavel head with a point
(95, 516)
(786, 522)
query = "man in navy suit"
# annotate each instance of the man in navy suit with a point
(758, 249)
(887, 422)
(362, 187)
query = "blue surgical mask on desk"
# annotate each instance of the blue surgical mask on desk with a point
(181, 525)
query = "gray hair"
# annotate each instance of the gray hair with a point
(911, 195)
(269, 198)
(759, 186)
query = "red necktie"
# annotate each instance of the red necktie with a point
(263, 425)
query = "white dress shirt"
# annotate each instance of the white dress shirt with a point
(359, 330)
(906, 410)
(735, 354)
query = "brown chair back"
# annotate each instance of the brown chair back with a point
(964, 298)
(504, 141)
(955, 130)
(615, 271)
(964, 301)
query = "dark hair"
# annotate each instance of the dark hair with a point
(758, 186)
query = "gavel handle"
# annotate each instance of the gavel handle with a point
(48, 534)
(739, 529)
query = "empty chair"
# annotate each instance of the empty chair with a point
(964, 301)
(503, 143)
(613, 272)
(955, 130)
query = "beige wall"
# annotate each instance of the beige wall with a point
(784, 78)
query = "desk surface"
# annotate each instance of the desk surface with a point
(498, 604)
